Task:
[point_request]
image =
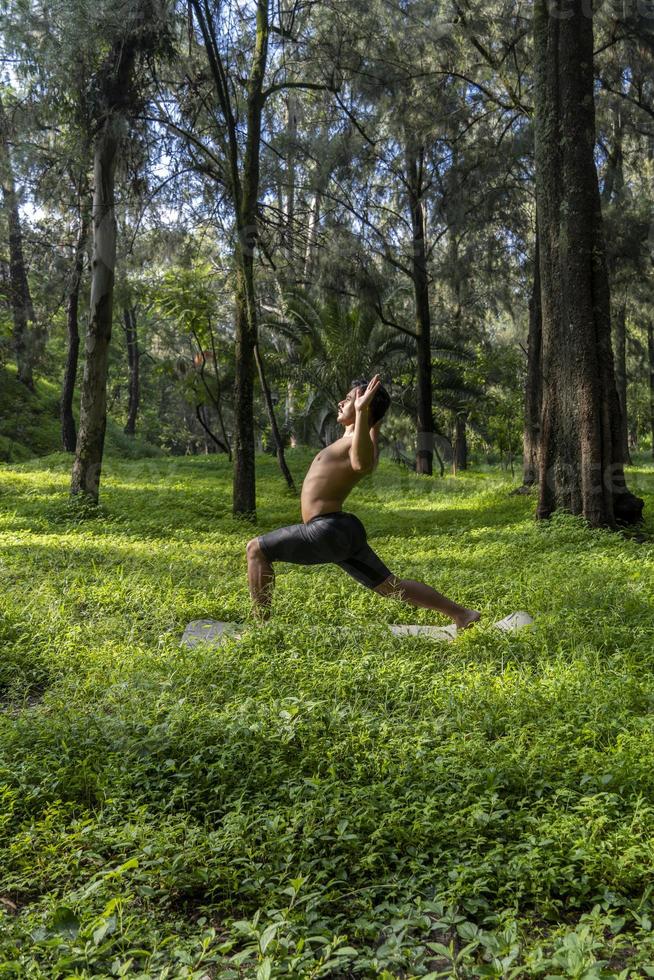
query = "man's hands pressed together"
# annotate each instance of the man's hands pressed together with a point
(363, 453)
(363, 400)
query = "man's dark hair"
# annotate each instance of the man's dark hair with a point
(379, 404)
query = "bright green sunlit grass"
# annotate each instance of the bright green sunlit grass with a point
(314, 800)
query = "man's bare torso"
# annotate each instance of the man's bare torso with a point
(329, 479)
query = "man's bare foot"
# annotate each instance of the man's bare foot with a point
(466, 619)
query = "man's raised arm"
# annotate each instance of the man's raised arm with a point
(364, 451)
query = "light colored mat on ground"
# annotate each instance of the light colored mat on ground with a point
(214, 631)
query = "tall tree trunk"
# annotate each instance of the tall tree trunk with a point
(270, 408)
(291, 150)
(68, 431)
(312, 233)
(580, 466)
(244, 487)
(27, 338)
(620, 353)
(93, 409)
(289, 413)
(133, 364)
(460, 458)
(533, 388)
(424, 420)
(650, 351)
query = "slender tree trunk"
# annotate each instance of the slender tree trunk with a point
(289, 411)
(215, 398)
(244, 488)
(533, 387)
(218, 399)
(291, 149)
(312, 233)
(27, 338)
(580, 465)
(202, 416)
(620, 353)
(93, 409)
(279, 444)
(133, 364)
(68, 431)
(650, 351)
(460, 459)
(424, 420)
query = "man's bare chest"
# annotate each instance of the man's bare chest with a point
(337, 453)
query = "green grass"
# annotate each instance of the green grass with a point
(320, 802)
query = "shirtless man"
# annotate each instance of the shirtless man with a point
(330, 534)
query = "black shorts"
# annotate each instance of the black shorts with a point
(338, 537)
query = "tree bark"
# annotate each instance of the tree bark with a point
(133, 364)
(533, 386)
(581, 470)
(424, 419)
(279, 444)
(650, 351)
(620, 353)
(312, 233)
(291, 151)
(27, 338)
(68, 430)
(244, 488)
(93, 408)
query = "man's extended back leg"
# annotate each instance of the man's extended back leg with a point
(419, 594)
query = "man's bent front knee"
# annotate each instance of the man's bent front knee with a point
(253, 550)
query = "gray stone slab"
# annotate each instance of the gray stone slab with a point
(209, 631)
(446, 633)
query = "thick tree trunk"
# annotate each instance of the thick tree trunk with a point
(460, 458)
(620, 353)
(533, 386)
(244, 487)
(133, 365)
(580, 463)
(650, 351)
(68, 431)
(93, 409)
(243, 186)
(424, 420)
(27, 338)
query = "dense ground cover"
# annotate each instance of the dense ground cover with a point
(315, 800)
(30, 424)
